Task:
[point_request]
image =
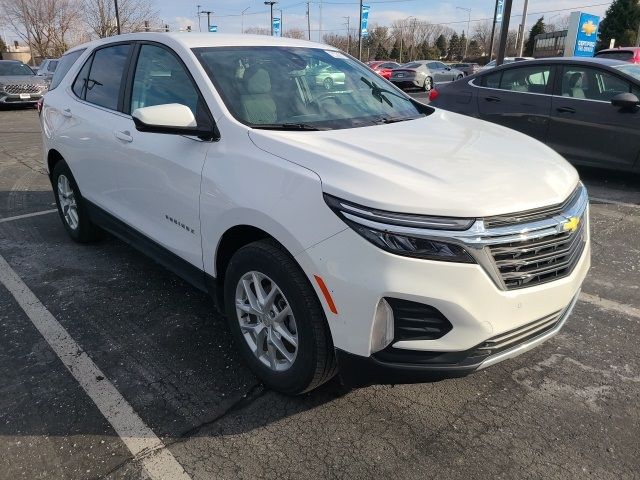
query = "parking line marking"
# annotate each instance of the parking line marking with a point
(614, 202)
(27, 215)
(157, 460)
(610, 305)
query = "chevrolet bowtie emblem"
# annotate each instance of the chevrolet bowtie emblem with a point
(571, 225)
(589, 28)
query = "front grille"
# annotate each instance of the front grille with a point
(24, 88)
(539, 260)
(531, 215)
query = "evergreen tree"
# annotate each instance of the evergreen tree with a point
(620, 22)
(454, 47)
(474, 50)
(381, 52)
(441, 46)
(395, 51)
(463, 43)
(537, 29)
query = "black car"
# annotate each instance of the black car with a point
(585, 109)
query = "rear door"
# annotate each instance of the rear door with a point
(437, 71)
(585, 127)
(518, 98)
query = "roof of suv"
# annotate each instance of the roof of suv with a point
(195, 40)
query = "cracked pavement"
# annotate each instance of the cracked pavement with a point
(569, 409)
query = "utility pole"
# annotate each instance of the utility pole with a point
(242, 19)
(348, 35)
(199, 23)
(504, 32)
(493, 30)
(320, 20)
(281, 23)
(466, 45)
(271, 4)
(523, 25)
(208, 12)
(117, 16)
(308, 22)
(360, 33)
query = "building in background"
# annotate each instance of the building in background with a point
(578, 40)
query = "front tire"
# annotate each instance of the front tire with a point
(428, 84)
(276, 319)
(71, 206)
(459, 77)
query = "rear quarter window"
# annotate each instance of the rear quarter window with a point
(63, 66)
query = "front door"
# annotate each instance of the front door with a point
(517, 98)
(585, 127)
(159, 182)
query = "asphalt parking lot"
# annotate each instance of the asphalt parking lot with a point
(568, 409)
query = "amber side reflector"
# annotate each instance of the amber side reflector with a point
(327, 294)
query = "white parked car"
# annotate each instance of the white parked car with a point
(354, 230)
(492, 63)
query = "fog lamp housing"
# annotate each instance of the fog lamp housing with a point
(383, 329)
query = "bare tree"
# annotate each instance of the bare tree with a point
(296, 33)
(45, 25)
(100, 16)
(481, 33)
(258, 31)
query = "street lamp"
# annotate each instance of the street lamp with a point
(271, 4)
(208, 12)
(466, 45)
(242, 19)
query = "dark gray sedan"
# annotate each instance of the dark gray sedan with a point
(586, 109)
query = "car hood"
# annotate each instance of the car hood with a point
(443, 164)
(21, 79)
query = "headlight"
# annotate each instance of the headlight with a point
(404, 234)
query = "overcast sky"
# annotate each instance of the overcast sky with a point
(227, 12)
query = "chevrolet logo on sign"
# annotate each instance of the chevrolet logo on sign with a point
(589, 28)
(571, 225)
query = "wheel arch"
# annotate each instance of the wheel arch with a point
(53, 158)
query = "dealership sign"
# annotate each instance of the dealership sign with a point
(582, 35)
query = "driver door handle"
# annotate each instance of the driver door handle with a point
(66, 112)
(565, 110)
(125, 136)
(492, 99)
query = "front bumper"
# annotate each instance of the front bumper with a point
(16, 99)
(388, 367)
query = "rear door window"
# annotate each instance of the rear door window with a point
(624, 55)
(63, 66)
(526, 80)
(102, 86)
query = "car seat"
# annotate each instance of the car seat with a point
(574, 86)
(257, 103)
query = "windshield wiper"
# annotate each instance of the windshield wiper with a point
(386, 120)
(289, 126)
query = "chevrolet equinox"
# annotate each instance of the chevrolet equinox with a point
(342, 226)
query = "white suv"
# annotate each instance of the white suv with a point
(349, 228)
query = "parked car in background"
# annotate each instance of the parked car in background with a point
(47, 68)
(626, 54)
(587, 109)
(424, 74)
(326, 76)
(507, 60)
(354, 231)
(19, 85)
(466, 68)
(383, 68)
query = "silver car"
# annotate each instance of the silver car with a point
(18, 84)
(47, 68)
(424, 74)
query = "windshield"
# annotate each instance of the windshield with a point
(11, 68)
(629, 69)
(303, 88)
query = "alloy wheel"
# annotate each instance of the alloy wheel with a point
(266, 321)
(68, 203)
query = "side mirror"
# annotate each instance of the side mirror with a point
(447, 68)
(170, 118)
(625, 101)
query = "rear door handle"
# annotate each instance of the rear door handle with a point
(492, 99)
(124, 136)
(66, 112)
(565, 110)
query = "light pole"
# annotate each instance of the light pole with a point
(242, 19)
(199, 23)
(308, 22)
(348, 19)
(466, 45)
(117, 16)
(208, 12)
(523, 25)
(271, 4)
(360, 33)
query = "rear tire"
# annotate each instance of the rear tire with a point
(428, 84)
(459, 77)
(71, 206)
(303, 366)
